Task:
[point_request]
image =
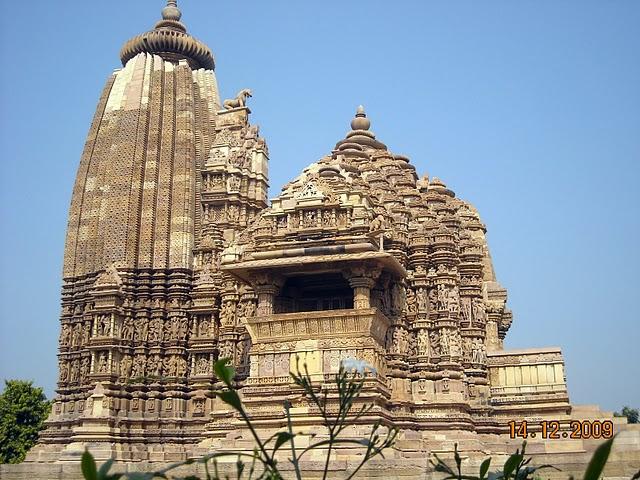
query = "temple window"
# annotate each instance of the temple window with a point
(309, 293)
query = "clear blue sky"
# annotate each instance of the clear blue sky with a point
(530, 110)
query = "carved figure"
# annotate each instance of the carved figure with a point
(423, 342)
(423, 300)
(479, 312)
(125, 366)
(102, 362)
(138, 368)
(478, 352)
(239, 101)
(227, 313)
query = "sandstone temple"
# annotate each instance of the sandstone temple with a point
(175, 257)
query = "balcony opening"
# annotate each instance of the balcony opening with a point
(311, 293)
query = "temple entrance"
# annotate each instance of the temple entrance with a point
(310, 293)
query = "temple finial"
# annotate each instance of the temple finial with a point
(360, 122)
(171, 11)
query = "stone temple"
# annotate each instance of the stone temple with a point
(174, 258)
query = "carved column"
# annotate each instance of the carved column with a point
(362, 280)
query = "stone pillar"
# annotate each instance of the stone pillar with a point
(266, 296)
(362, 280)
(361, 291)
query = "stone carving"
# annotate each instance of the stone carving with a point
(422, 299)
(478, 352)
(423, 342)
(227, 313)
(102, 362)
(479, 312)
(125, 366)
(239, 101)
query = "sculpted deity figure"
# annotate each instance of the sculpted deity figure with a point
(138, 368)
(226, 350)
(454, 343)
(444, 342)
(452, 301)
(233, 185)
(86, 333)
(202, 365)
(154, 366)
(76, 335)
(434, 341)
(423, 300)
(478, 352)
(103, 366)
(75, 371)
(466, 350)
(423, 342)
(398, 297)
(309, 219)
(442, 298)
(250, 309)
(171, 366)
(127, 329)
(181, 366)
(327, 218)
(85, 365)
(227, 313)
(155, 330)
(141, 330)
(466, 309)
(106, 325)
(125, 366)
(198, 406)
(479, 311)
(174, 329)
(65, 335)
(204, 327)
(64, 371)
(411, 305)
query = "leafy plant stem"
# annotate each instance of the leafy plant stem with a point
(294, 456)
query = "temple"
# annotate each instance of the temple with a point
(174, 258)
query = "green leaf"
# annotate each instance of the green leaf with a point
(484, 468)
(88, 466)
(281, 439)
(510, 465)
(598, 461)
(104, 469)
(230, 397)
(224, 371)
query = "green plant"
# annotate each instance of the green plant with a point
(262, 463)
(23, 409)
(516, 467)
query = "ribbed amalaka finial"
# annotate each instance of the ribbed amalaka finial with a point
(169, 40)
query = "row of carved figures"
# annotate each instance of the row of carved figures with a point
(436, 343)
(140, 365)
